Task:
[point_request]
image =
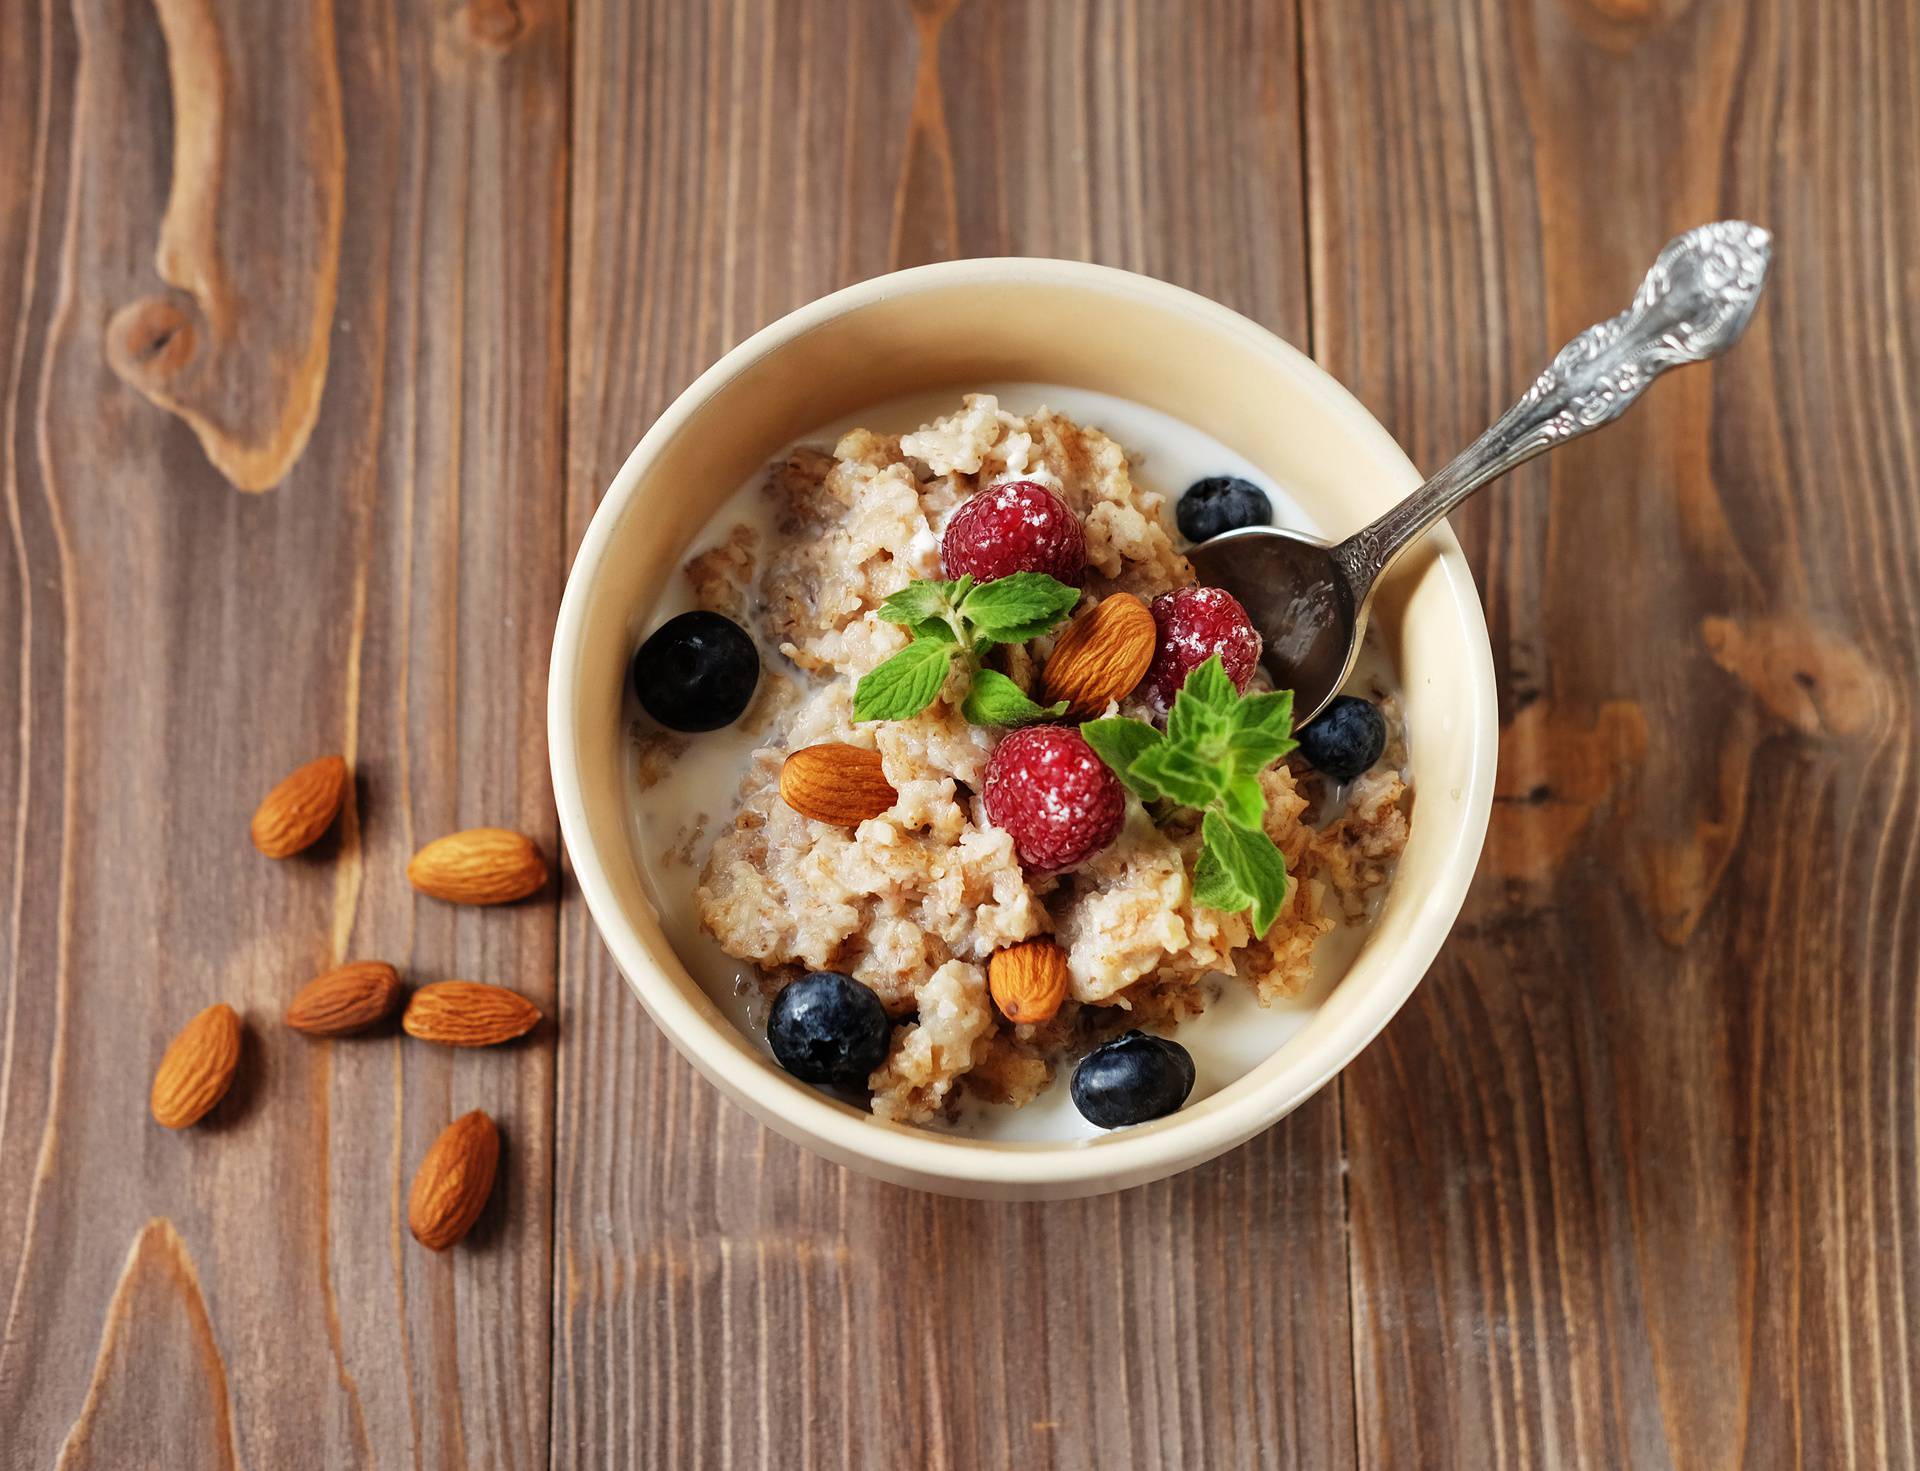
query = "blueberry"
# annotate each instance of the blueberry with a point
(1132, 1079)
(696, 672)
(1221, 503)
(828, 1028)
(1346, 738)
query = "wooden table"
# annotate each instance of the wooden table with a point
(1633, 1180)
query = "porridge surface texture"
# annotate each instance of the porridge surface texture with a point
(913, 902)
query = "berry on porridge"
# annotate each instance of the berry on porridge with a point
(1219, 504)
(1022, 803)
(1018, 526)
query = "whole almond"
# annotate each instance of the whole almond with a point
(197, 1068)
(468, 1014)
(293, 816)
(1103, 654)
(1028, 980)
(454, 1181)
(350, 998)
(836, 783)
(483, 865)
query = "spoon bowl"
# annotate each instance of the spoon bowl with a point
(1297, 597)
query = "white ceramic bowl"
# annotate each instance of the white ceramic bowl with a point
(952, 326)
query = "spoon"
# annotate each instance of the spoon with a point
(1309, 599)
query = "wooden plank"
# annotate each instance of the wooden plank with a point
(725, 1298)
(1635, 1177)
(319, 243)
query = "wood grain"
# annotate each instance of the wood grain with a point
(726, 1299)
(181, 647)
(1634, 1179)
(1634, 1176)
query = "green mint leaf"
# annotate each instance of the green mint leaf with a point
(1179, 773)
(905, 684)
(1202, 713)
(1013, 609)
(1268, 714)
(1214, 887)
(997, 700)
(937, 629)
(1244, 802)
(1121, 743)
(1253, 863)
(917, 602)
(1262, 732)
(1209, 687)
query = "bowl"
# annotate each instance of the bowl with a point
(951, 326)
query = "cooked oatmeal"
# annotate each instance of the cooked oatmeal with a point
(913, 902)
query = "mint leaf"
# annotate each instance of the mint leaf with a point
(1013, 609)
(1244, 801)
(1253, 864)
(997, 700)
(1268, 714)
(904, 685)
(1179, 774)
(1262, 732)
(1202, 713)
(1121, 743)
(918, 602)
(1214, 887)
(1209, 687)
(937, 629)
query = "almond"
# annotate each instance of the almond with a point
(1028, 980)
(348, 999)
(197, 1069)
(1100, 658)
(483, 865)
(295, 814)
(836, 783)
(454, 1181)
(468, 1014)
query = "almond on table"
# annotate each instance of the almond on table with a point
(297, 813)
(482, 865)
(197, 1068)
(468, 1014)
(454, 1180)
(347, 999)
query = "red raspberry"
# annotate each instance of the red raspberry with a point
(1020, 526)
(1196, 623)
(1060, 803)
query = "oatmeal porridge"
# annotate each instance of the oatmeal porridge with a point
(1001, 822)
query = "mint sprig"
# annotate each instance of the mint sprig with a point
(962, 620)
(1209, 759)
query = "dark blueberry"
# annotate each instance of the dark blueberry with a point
(1132, 1079)
(828, 1028)
(1346, 738)
(1221, 503)
(696, 672)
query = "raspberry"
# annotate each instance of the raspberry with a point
(1196, 623)
(1020, 526)
(1057, 800)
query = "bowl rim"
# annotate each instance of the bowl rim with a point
(1222, 1120)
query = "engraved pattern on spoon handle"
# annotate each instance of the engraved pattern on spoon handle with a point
(1693, 305)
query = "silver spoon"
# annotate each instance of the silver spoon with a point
(1309, 599)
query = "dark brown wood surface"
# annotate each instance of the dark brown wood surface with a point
(323, 324)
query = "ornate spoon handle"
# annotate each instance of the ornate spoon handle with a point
(1693, 305)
